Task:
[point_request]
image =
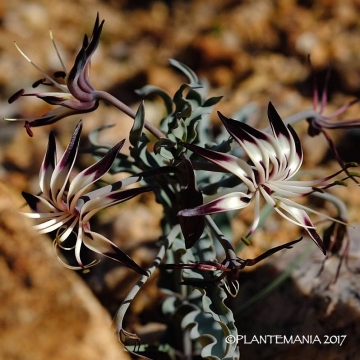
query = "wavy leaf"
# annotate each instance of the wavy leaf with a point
(186, 71)
(204, 313)
(151, 89)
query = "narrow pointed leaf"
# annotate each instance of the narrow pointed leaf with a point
(137, 128)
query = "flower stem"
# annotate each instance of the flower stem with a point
(103, 95)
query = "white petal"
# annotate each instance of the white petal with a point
(228, 202)
(53, 224)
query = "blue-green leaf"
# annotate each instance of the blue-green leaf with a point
(137, 128)
(185, 70)
(209, 320)
(151, 89)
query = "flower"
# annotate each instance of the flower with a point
(316, 118)
(318, 122)
(65, 205)
(275, 159)
(76, 96)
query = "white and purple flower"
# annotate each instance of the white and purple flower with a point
(67, 207)
(76, 96)
(274, 160)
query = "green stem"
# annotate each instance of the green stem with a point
(119, 317)
(229, 250)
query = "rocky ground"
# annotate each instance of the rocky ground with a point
(250, 51)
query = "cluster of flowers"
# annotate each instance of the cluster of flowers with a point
(266, 169)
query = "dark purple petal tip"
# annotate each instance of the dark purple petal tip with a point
(118, 255)
(50, 155)
(95, 36)
(276, 122)
(70, 153)
(120, 196)
(206, 209)
(103, 165)
(296, 140)
(315, 236)
(31, 200)
(241, 131)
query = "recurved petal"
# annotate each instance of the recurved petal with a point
(62, 170)
(228, 162)
(81, 107)
(289, 142)
(290, 213)
(78, 81)
(289, 190)
(300, 184)
(89, 207)
(53, 223)
(256, 220)
(47, 167)
(241, 131)
(52, 98)
(104, 246)
(296, 155)
(232, 201)
(92, 174)
(75, 73)
(92, 45)
(298, 217)
(261, 148)
(317, 239)
(279, 129)
(303, 218)
(50, 117)
(95, 37)
(38, 204)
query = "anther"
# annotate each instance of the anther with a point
(38, 82)
(27, 126)
(60, 74)
(14, 97)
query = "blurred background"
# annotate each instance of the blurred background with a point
(249, 51)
